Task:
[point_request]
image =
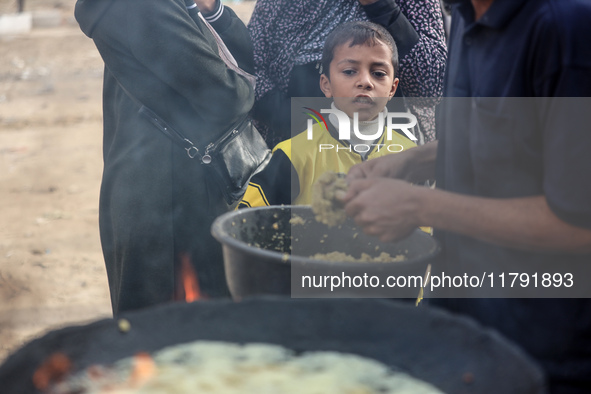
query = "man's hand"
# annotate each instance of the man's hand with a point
(206, 6)
(385, 208)
(393, 166)
(413, 165)
(390, 209)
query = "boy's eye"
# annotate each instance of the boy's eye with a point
(380, 74)
(348, 72)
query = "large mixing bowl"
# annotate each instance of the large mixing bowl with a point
(266, 252)
(454, 353)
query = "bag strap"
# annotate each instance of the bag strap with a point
(174, 135)
(160, 123)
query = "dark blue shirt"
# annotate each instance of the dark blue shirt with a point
(524, 54)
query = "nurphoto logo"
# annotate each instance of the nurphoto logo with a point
(403, 121)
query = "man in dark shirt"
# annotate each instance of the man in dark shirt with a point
(512, 165)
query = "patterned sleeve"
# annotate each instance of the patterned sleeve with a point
(422, 69)
(257, 26)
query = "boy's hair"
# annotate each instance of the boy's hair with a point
(357, 33)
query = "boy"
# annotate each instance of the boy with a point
(359, 64)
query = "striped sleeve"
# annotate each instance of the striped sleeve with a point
(275, 185)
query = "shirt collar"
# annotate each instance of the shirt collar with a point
(497, 16)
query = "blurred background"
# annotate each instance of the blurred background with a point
(51, 267)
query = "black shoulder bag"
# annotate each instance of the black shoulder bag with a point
(233, 158)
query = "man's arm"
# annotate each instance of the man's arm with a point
(391, 209)
(413, 165)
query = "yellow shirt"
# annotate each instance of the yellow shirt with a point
(308, 159)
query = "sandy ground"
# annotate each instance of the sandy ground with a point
(51, 267)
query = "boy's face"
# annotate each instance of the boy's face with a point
(361, 79)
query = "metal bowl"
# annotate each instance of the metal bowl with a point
(266, 252)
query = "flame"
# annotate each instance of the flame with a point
(54, 369)
(143, 369)
(189, 279)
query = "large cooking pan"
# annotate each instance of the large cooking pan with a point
(454, 354)
(266, 252)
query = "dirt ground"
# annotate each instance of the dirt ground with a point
(51, 267)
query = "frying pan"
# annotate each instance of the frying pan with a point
(256, 243)
(455, 354)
